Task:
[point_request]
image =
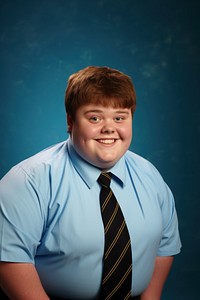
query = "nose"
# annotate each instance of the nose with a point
(108, 128)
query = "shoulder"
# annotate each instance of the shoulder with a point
(145, 176)
(36, 178)
(140, 164)
(55, 154)
(42, 163)
(142, 169)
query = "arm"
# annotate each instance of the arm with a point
(162, 267)
(20, 281)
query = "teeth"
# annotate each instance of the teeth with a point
(107, 141)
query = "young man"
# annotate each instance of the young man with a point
(52, 233)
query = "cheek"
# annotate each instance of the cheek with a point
(126, 132)
(86, 131)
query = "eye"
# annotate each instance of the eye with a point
(94, 119)
(119, 119)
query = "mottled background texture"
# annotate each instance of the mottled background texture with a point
(157, 43)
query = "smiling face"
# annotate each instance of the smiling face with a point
(101, 135)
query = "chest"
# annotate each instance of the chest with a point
(74, 223)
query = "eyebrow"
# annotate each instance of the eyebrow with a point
(100, 111)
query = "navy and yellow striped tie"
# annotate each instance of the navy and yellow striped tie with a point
(117, 265)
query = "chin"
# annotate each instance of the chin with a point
(106, 165)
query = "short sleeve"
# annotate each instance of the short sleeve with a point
(170, 243)
(21, 217)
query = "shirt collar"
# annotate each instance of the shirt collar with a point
(90, 173)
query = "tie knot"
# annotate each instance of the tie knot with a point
(104, 179)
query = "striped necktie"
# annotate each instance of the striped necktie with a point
(117, 265)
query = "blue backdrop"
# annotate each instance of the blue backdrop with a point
(155, 42)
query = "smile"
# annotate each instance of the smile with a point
(107, 141)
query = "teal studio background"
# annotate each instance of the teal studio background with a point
(155, 42)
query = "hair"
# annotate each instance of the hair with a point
(99, 85)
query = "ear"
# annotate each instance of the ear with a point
(69, 123)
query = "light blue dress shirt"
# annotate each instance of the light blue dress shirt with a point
(50, 216)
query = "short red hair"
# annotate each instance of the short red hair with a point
(99, 85)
